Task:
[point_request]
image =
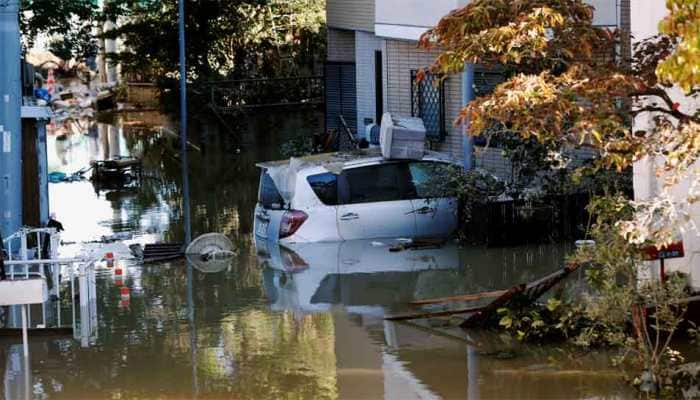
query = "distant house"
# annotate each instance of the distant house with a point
(373, 56)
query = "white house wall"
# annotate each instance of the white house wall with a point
(408, 19)
(607, 12)
(645, 17)
(402, 57)
(365, 46)
(397, 24)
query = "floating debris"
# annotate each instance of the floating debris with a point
(211, 252)
(117, 169)
(524, 293)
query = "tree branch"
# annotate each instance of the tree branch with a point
(671, 110)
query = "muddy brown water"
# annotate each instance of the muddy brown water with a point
(271, 324)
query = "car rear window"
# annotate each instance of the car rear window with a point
(326, 187)
(268, 195)
(384, 182)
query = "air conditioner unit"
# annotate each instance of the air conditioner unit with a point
(402, 137)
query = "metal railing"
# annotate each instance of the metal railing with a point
(82, 268)
(46, 246)
(251, 93)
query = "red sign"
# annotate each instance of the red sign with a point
(673, 250)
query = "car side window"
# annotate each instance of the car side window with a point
(383, 182)
(427, 178)
(325, 186)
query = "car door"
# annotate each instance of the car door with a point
(436, 215)
(374, 202)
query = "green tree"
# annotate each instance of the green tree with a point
(68, 23)
(225, 39)
(683, 23)
(566, 87)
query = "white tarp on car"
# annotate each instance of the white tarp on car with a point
(284, 173)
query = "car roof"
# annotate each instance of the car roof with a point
(339, 160)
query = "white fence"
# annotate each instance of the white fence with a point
(41, 261)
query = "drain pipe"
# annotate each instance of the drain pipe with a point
(467, 96)
(10, 119)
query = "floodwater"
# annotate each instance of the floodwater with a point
(275, 323)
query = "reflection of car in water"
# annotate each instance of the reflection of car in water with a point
(313, 276)
(332, 197)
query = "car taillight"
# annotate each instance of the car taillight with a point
(291, 261)
(291, 221)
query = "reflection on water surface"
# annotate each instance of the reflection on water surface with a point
(304, 322)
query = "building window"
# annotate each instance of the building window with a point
(428, 103)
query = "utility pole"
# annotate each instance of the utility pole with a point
(10, 119)
(183, 123)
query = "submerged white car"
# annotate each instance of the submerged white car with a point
(348, 196)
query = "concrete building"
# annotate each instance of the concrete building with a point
(645, 21)
(373, 55)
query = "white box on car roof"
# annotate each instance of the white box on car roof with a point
(402, 138)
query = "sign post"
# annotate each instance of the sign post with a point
(673, 250)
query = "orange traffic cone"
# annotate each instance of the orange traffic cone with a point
(109, 257)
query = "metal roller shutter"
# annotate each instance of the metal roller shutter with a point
(341, 94)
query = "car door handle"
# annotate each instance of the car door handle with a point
(425, 210)
(349, 216)
(422, 210)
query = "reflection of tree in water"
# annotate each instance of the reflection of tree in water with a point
(284, 356)
(223, 182)
(242, 348)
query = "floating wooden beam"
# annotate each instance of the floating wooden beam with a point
(534, 288)
(482, 315)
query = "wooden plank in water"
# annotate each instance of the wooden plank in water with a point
(481, 316)
(534, 289)
(529, 292)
